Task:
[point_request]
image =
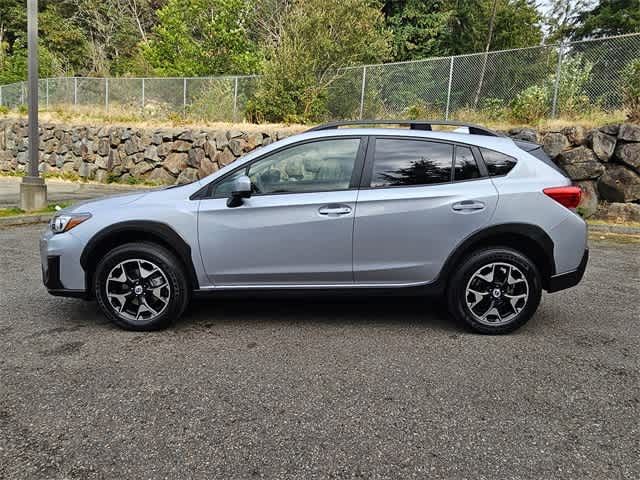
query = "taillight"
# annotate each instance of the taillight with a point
(566, 196)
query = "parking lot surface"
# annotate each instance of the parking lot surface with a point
(320, 388)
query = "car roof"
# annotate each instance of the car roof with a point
(505, 144)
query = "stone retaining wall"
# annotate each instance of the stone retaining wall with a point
(604, 161)
(120, 154)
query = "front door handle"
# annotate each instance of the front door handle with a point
(334, 209)
(468, 206)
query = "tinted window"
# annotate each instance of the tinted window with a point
(319, 166)
(497, 163)
(465, 167)
(411, 162)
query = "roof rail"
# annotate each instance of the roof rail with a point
(413, 125)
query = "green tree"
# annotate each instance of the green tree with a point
(517, 24)
(609, 17)
(316, 39)
(562, 18)
(418, 27)
(202, 37)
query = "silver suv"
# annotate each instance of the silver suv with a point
(486, 221)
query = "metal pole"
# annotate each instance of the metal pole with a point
(184, 94)
(235, 98)
(46, 89)
(106, 94)
(556, 86)
(143, 95)
(75, 90)
(33, 191)
(21, 93)
(364, 80)
(32, 50)
(446, 115)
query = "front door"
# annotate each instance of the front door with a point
(416, 205)
(297, 227)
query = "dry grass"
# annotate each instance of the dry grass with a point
(120, 117)
(83, 115)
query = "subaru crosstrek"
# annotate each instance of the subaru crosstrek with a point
(485, 221)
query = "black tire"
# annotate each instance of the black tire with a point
(170, 272)
(468, 307)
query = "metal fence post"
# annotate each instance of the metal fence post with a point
(184, 93)
(446, 115)
(556, 86)
(106, 94)
(235, 98)
(21, 93)
(75, 90)
(46, 92)
(143, 95)
(364, 80)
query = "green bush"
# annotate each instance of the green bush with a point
(530, 105)
(631, 89)
(317, 37)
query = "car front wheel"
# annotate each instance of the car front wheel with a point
(141, 286)
(495, 291)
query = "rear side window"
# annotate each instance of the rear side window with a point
(411, 162)
(497, 163)
(465, 167)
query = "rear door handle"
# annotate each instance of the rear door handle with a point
(468, 206)
(334, 209)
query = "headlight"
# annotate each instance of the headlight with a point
(64, 223)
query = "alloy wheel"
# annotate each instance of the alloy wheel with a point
(138, 290)
(496, 293)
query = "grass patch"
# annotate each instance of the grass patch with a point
(620, 238)
(15, 211)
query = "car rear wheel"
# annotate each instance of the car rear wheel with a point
(495, 291)
(141, 286)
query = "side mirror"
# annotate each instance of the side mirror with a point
(240, 189)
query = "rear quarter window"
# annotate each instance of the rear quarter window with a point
(497, 163)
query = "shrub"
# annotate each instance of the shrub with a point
(531, 104)
(315, 39)
(572, 98)
(631, 90)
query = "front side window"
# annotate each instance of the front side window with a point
(319, 166)
(465, 167)
(497, 163)
(411, 162)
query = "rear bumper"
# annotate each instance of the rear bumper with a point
(569, 279)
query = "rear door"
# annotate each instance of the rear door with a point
(418, 200)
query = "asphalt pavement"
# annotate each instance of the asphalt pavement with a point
(322, 387)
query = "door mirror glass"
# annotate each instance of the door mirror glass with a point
(240, 188)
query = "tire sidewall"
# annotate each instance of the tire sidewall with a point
(457, 290)
(169, 266)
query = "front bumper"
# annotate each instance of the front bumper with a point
(62, 273)
(569, 279)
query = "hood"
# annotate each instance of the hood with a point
(107, 202)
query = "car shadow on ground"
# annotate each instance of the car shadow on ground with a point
(325, 310)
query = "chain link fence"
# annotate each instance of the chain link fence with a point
(553, 80)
